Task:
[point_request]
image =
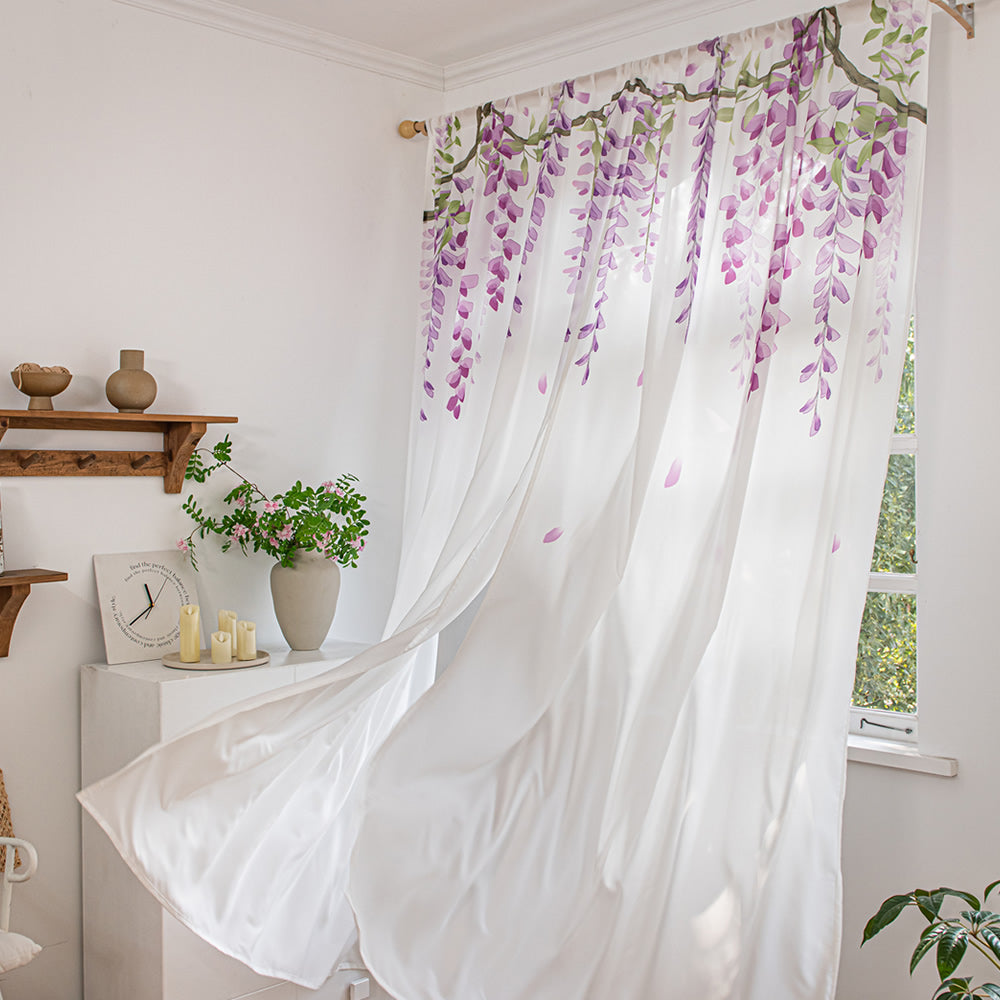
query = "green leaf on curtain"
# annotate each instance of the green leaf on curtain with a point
(824, 144)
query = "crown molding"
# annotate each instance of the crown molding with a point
(276, 31)
(634, 23)
(630, 24)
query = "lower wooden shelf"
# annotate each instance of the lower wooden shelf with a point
(15, 585)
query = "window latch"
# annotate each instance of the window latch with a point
(881, 725)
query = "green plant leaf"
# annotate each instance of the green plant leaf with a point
(991, 939)
(887, 913)
(990, 888)
(928, 939)
(959, 894)
(990, 990)
(953, 988)
(877, 13)
(952, 945)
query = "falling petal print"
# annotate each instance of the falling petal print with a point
(638, 381)
(836, 543)
(673, 475)
(543, 384)
(551, 536)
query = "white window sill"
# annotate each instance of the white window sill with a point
(886, 753)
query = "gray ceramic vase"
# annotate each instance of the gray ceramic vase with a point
(305, 598)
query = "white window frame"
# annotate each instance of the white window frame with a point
(879, 724)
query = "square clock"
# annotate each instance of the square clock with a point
(141, 595)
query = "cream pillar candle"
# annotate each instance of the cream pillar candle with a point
(222, 647)
(190, 633)
(227, 623)
(246, 641)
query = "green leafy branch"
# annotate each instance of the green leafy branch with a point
(330, 519)
(949, 937)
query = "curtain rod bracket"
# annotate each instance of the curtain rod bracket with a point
(964, 13)
(408, 129)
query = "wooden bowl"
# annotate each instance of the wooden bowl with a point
(40, 384)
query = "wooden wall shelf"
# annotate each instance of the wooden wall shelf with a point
(181, 434)
(15, 585)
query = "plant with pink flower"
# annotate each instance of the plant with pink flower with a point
(330, 519)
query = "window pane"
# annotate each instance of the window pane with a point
(886, 674)
(906, 418)
(896, 540)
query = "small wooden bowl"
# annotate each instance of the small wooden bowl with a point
(40, 384)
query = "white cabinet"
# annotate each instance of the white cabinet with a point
(133, 948)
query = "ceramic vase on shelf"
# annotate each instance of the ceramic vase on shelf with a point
(131, 389)
(305, 598)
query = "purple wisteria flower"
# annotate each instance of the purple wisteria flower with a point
(793, 153)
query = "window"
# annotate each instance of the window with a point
(885, 683)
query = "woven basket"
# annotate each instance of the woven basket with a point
(6, 826)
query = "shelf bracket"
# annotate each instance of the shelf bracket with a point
(15, 586)
(179, 443)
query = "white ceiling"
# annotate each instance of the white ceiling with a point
(446, 32)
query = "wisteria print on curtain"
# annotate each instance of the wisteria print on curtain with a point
(665, 314)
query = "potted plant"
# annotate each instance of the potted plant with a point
(951, 938)
(310, 531)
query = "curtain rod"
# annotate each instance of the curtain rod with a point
(963, 13)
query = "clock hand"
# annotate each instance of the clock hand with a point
(160, 591)
(140, 614)
(145, 587)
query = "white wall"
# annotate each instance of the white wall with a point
(248, 216)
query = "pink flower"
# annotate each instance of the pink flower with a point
(270, 506)
(241, 501)
(339, 492)
(183, 545)
(240, 531)
(285, 533)
(327, 487)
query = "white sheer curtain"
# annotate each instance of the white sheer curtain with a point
(666, 310)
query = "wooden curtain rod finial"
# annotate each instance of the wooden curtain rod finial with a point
(408, 129)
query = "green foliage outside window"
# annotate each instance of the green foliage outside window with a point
(886, 673)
